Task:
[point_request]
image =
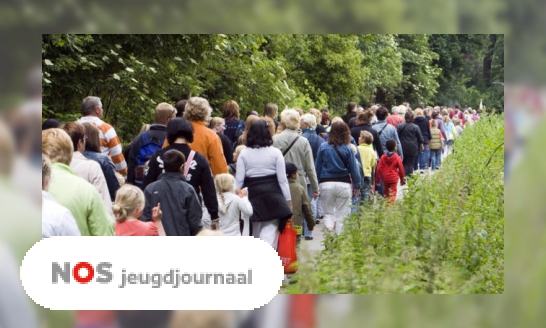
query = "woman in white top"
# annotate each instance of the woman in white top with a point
(230, 205)
(261, 168)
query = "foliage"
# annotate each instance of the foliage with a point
(446, 236)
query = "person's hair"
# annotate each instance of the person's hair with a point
(337, 119)
(446, 118)
(197, 109)
(271, 110)
(239, 149)
(145, 127)
(434, 123)
(128, 197)
(402, 110)
(465, 112)
(456, 106)
(311, 121)
(325, 118)
(280, 128)
(249, 120)
(252, 112)
(394, 110)
(231, 110)
(51, 123)
(173, 160)
(409, 117)
(46, 170)
(473, 111)
(418, 111)
(179, 127)
(290, 118)
(93, 137)
(456, 121)
(215, 121)
(381, 113)
(339, 134)
(351, 106)
(259, 135)
(374, 109)
(427, 111)
(56, 143)
(315, 112)
(422, 105)
(120, 178)
(299, 110)
(224, 183)
(365, 117)
(444, 112)
(89, 104)
(366, 136)
(210, 233)
(180, 107)
(390, 145)
(163, 112)
(76, 131)
(270, 124)
(434, 114)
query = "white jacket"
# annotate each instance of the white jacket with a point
(91, 172)
(229, 210)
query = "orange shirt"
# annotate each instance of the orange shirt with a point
(136, 228)
(207, 142)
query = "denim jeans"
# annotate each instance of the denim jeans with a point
(366, 190)
(424, 158)
(435, 156)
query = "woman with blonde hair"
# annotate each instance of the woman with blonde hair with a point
(272, 110)
(231, 206)
(249, 120)
(128, 208)
(218, 125)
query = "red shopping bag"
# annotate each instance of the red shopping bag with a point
(287, 248)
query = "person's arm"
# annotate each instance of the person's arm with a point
(227, 149)
(98, 220)
(216, 157)
(442, 129)
(377, 143)
(115, 151)
(244, 206)
(156, 217)
(194, 213)
(354, 171)
(111, 180)
(378, 172)
(307, 211)
(70, 227)
(147, 212)
(241, 170)
(318, 161)
(153, 171)
(399, 145)
(309, 166)
(281, 175)
(209, 191)
(401, 172)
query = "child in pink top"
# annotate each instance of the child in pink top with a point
(128, 208)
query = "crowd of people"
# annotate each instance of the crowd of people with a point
(188, 173)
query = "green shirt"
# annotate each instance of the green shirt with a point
(82, 199)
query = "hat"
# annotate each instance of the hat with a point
(291, 168)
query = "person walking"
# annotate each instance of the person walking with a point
(411, 141)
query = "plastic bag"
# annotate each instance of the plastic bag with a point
(287, 248)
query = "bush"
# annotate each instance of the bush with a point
(445, 236)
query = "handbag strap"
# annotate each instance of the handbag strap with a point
(292, 144)
(340, 156)
(188, 164)
(379, 133)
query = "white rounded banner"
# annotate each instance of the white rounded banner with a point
(152, 273)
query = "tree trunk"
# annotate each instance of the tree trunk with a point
(487, 60)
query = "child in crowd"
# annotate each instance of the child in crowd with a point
(368, 159)
(355, 200)
(230, 206)
(436, 145)
(450, 131)
(232, 168)
(128, 208)
(389, 169)
(301, 205)
(458, 128)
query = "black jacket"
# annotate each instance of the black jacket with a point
(422, 123)
(108, 170)
(227, 147)
(199, 175)
(179, 203)
(347, 117)
(410, 138)
(157, 132)
(355, 133)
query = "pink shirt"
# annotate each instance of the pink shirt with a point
(394, 120)
(136, 228)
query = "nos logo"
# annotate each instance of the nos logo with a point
(102, 269)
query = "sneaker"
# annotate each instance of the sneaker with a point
(308, 238)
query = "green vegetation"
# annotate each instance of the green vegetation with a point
(132, 73)
(446, 235)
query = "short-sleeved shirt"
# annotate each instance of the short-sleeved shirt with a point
(136, 228)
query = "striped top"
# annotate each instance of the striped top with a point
(110, 143)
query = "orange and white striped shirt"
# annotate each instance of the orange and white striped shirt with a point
(110, 143)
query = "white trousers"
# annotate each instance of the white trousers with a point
(335, 198)
(267, 231)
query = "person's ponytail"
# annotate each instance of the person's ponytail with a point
(119, 213)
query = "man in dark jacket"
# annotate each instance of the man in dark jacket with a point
(199, 175)
(149, 141)
(424, 156)
(411, 141)
(363, 123)
(179, 203)
(351, 112)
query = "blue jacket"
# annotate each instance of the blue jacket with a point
(314, 140)
(388, 132)
(108, 169)
(330, 166)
